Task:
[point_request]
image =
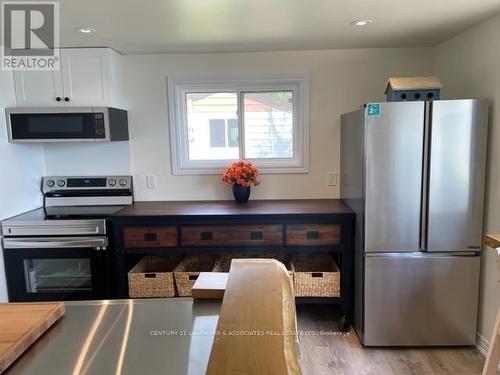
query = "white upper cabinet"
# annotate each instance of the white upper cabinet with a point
(37, 88)
(85, 79)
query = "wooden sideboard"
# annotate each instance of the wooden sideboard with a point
(225, 227)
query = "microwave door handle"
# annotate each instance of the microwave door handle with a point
(98, 243)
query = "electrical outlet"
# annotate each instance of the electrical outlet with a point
(331, 178)
(151, 182)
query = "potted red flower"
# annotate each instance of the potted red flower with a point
(241, 175)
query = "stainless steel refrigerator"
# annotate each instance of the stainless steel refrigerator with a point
(414, 173)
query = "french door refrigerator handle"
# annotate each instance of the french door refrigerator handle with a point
(424, 212)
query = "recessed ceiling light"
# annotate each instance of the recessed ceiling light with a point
(361, 22)
(85, 30)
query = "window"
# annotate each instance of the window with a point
(216, 121)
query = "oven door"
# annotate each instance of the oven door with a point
(56, 269)
(56, 126)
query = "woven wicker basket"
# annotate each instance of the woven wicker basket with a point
(188, 270)
(315, 275)
(152, 277)
(223, 264)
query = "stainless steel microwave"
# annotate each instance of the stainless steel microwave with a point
(66, 124)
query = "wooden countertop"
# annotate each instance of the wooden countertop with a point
(21, 324)
(492, 240)
(231, 208)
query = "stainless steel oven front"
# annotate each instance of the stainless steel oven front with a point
(56, 268)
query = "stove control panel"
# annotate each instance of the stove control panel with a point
(67, 183)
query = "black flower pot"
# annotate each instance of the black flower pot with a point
(241, 193)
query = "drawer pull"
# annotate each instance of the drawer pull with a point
(256, 235)
(150, 275)
(206, 236)
(317, 274)
(312, 235)
(150, 237)
(193, 277)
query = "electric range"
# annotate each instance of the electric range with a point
(59, 251)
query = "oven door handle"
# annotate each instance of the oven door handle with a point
(99, 243)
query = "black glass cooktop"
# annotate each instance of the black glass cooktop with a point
(68, 213)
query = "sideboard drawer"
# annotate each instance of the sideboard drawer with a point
(134, 236)
(313, 234)
(231, 235)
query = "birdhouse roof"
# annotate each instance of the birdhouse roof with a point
(413, 83)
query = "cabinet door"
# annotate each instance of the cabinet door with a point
(38, 88)
(85, 76)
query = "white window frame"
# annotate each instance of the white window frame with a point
(179, 86)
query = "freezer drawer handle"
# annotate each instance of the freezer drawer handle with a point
(312, 235)
(150, 237)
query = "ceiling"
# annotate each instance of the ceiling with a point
(160, 26)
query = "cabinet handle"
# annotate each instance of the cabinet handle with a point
(312, 235)
(150, 237)
(66, 99)
(206, 236)
(58, 99)
(256, 235)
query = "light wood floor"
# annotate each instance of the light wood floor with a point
(344, 354)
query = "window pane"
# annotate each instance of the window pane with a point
(268, 122)
(207, 116)
(217, 133)
(232, 133)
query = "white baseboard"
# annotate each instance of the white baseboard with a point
(482, 344)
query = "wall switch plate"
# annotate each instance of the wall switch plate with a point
(331, 178)
(151, 182)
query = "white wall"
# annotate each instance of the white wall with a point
(87, 159)
(340, 81)
(21, 167)
(469, 66)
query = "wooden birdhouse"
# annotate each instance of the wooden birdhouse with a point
(403, 89)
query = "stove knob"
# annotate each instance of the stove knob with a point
(111, 182)
(61, 183)
(123, 182)
(50, 183)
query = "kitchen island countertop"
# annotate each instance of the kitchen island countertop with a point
(159, 336)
